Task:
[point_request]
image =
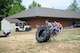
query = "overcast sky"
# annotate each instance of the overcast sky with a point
(57, 4)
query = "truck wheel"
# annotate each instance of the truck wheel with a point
(17, 30)
(30, 29)
(42, 34)
(26, 29)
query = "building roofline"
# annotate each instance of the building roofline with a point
(46, 12)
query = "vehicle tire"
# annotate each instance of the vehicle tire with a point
(17, 30)
(42, 34)
(26, 29)
(29, 28)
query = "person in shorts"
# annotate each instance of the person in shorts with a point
(55, 27)
(60, 27)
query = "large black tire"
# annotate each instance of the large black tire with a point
(42, 34)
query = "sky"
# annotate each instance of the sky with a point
(57, 4)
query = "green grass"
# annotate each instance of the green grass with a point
(70, 34)
(67, 41)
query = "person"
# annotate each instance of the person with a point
(55, 27)
(37, 26)
(60, 27)
(48, 24)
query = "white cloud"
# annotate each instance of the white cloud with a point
(57, 4)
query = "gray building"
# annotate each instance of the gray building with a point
(39, 15)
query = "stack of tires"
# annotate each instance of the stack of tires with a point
(42, 34)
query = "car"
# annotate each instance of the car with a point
(22, 26)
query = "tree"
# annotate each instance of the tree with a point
(34, 4)
(16, 9)
(4, 7)
(10, 7)
(7, 5)
(74, 6)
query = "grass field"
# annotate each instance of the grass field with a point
(67, 41)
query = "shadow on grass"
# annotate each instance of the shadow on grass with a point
(2, 36)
